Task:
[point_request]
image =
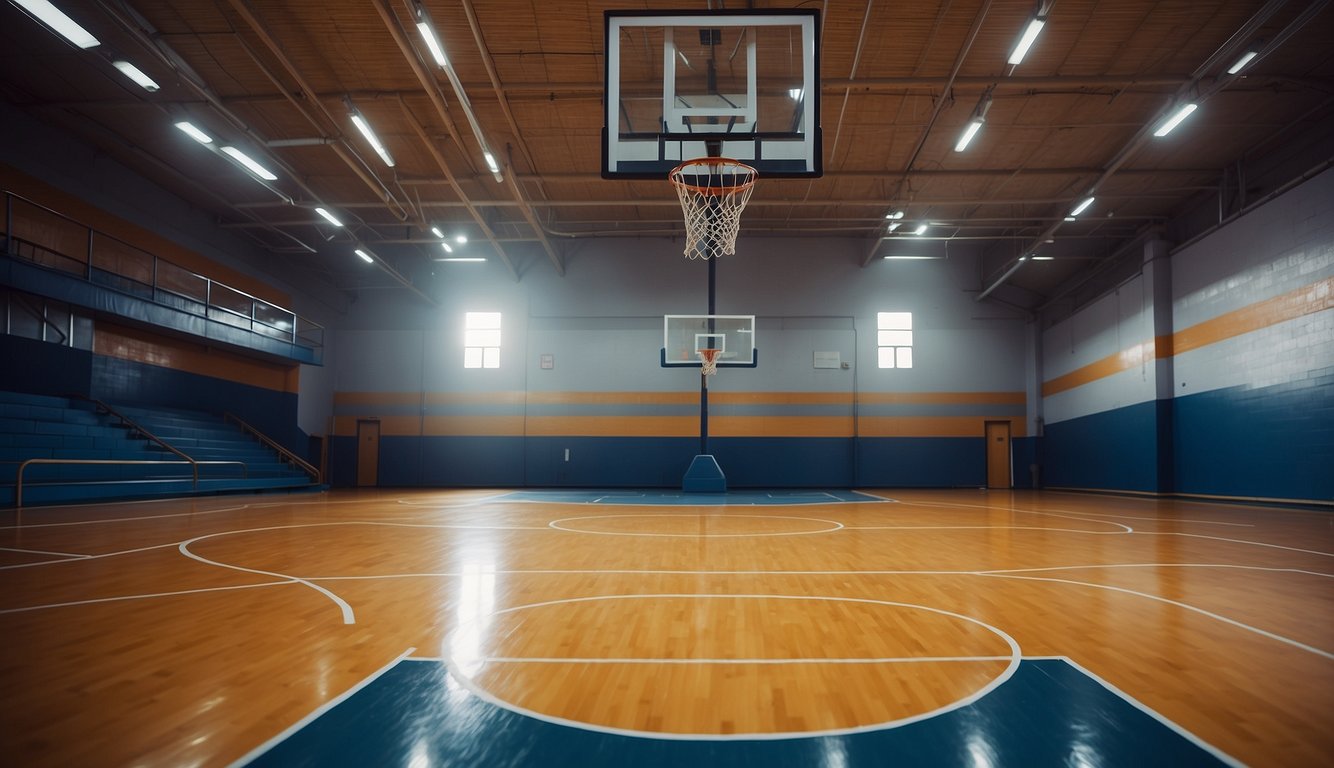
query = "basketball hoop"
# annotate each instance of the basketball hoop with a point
(713, 192)
(709, 361)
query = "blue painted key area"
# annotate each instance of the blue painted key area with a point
(1048, 714)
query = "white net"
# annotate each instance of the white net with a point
(709, 361)
(713, 193)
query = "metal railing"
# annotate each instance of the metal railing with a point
(304, 465)
(18, 480)
(50, 239)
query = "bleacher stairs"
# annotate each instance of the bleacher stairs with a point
(39, 426)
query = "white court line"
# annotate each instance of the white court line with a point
(1137, 704)
(1155, 565)
(72, 555)
(1237, 541)
(467, 682)
(990, 528)
(323, 708)
(574, 660)
(83, 558)
(146, 596)
(348, 616)
(1177, 603)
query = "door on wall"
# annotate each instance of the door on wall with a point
(368, 453)
(998, 454)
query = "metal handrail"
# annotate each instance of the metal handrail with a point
(18, 480)
(194, 465)
(305, 466)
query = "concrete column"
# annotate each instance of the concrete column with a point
(1158, 286)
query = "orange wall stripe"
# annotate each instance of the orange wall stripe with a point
(942, 398)
(1262, 314)
(933, 426)
(412, 399)
(144, 347)
(613, 426)
(1306, 300)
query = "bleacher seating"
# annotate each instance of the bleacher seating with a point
(39, 426)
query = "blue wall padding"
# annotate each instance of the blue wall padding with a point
(1273, 442)
(922, 462)
(1025, 452)
(42, 368)
(1112, 450)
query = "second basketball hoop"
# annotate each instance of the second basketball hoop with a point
(713, 193)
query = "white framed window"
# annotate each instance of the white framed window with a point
(893, 338)
(481, 340)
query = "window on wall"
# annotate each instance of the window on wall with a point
(894, 339)
(481, 340)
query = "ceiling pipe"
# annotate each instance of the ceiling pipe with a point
(935, 113)
(356, 166)
(458, 190)
(527, 210)
(1137, 142)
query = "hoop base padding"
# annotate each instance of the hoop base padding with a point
(704, 476)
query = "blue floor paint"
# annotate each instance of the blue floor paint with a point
(682, 498)
(1050, 713)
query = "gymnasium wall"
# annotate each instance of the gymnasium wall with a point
(607, 414)
(1251, 366)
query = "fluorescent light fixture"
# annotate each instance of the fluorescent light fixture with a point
(427, 31)
(921, 230)
(366, 257)
(250, 165)
(968, 134)
(1174, 120)
(1025, 257)
(1082, 207)
(1034, 28)
(61, 24)
(436, 231)
(1242, 62)
(461, 259)
(1069, 218)
(448, 248)
(194, 133)
(461, 239)
(360, 121)
(491, 162)
(137, 75)
(329, 216)
(794, 93)
(894, 215)
(895, 225)
(912, 258)
(1043, 258)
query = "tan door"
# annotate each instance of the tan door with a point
(368, 452)
(998, 454)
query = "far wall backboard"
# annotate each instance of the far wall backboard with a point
(684, 335)
(687, 84)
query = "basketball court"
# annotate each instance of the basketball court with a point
(499, 628)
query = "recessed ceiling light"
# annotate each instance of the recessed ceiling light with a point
(61, 24)
(194, 133)
(137, 75)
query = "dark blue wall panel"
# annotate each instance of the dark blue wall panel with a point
(1026, 452)
(42, 368)
(922, 462)
(1113, 450)
(1274, 442)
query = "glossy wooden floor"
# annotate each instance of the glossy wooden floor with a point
(190, 632)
